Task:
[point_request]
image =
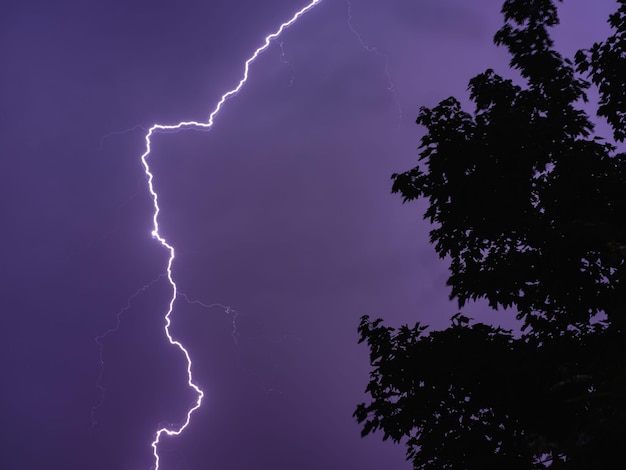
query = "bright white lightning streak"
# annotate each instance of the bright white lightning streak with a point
(155, 231)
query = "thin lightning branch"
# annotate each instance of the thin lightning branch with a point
(235, 335)
(373, 50)
(227, 310)
(283, 59)
(155, 223)
(113, 329)
(111, 134)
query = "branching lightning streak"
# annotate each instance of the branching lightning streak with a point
(111, 134)
(100, 338)
(391, 87)
(227, 310)
(155, 223)
(283, 59)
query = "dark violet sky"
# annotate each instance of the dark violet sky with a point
(282, 211)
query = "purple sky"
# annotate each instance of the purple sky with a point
(282, 211)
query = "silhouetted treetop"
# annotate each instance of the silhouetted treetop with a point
(526, 204)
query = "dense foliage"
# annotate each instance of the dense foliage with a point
(528, 205)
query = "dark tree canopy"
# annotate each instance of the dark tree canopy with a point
(529, 205)
(520, 183)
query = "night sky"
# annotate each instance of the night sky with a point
(282, 212)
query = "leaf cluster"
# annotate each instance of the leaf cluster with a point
(606, 63)
(525, 203)
(528, 205)
(475, 397)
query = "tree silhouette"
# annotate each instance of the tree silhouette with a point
(528, 205)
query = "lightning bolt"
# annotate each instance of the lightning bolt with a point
(155, 218)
